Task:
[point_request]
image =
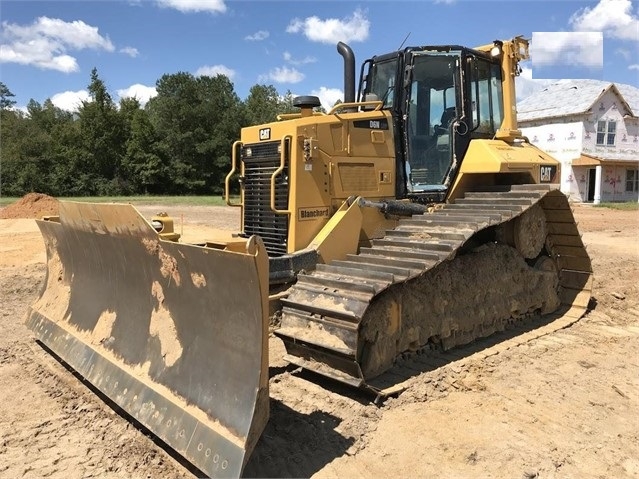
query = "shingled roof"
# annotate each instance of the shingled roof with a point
(574, 97)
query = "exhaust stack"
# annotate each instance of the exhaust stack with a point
(349, 71)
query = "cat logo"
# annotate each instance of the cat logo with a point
(547, 174)
(265, 134)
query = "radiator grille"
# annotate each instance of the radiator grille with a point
(259, 219)
(356, 177)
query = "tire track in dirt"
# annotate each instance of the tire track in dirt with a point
(301, 409)
(99, 440)
(571, 415)
(313, 421)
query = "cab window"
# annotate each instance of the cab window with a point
(382, 81)
(486, 96)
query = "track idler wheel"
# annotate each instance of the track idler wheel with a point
(527, 232)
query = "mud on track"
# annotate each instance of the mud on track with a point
(563, 405)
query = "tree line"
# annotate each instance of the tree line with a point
(179, 143)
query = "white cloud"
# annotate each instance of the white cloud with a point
(258, 36)
(70, 100)
(446, 2)
(142, 92)
(328, 96)
(22, 109)
(623, 53)
(76, 34)
(46, 42)
(289, 59)
(612, 17)
(581, 49)
(215, 70)
(633, 67)
(132, 52)
(282, 75)
(525, 85)
(194, 6)
(332, 30)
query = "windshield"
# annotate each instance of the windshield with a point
(432, 109)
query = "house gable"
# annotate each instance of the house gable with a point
(614, 113)
(570, 99)
(619, 103)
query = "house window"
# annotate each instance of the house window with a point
(606, 132)
(632, 180)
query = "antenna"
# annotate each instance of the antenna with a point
(400, 47)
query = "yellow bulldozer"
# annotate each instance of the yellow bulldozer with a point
(412, 215)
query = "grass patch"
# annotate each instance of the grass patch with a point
(154, 200)
(140, 200)
(7, 200)
(626, 206)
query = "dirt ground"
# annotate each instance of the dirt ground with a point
(564, 405)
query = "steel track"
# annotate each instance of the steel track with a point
(322, 316)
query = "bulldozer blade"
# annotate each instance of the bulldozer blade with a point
(174, 334)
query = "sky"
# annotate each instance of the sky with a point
(48, 48)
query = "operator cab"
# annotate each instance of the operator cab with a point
(440, 98)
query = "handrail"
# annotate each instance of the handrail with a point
(227, 189)
(377, 103)
(277, 172)
(292, 116)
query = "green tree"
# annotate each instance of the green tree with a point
(103, 142)
(286, 103)
(12, 129)
(262, 105)
(28, 149)
(5, 97)
(171, 114)
(197, 120)
(23, 161)
(69, 174)
(224, 109)
(144, 162)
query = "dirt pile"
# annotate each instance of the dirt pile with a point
(32, 205)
